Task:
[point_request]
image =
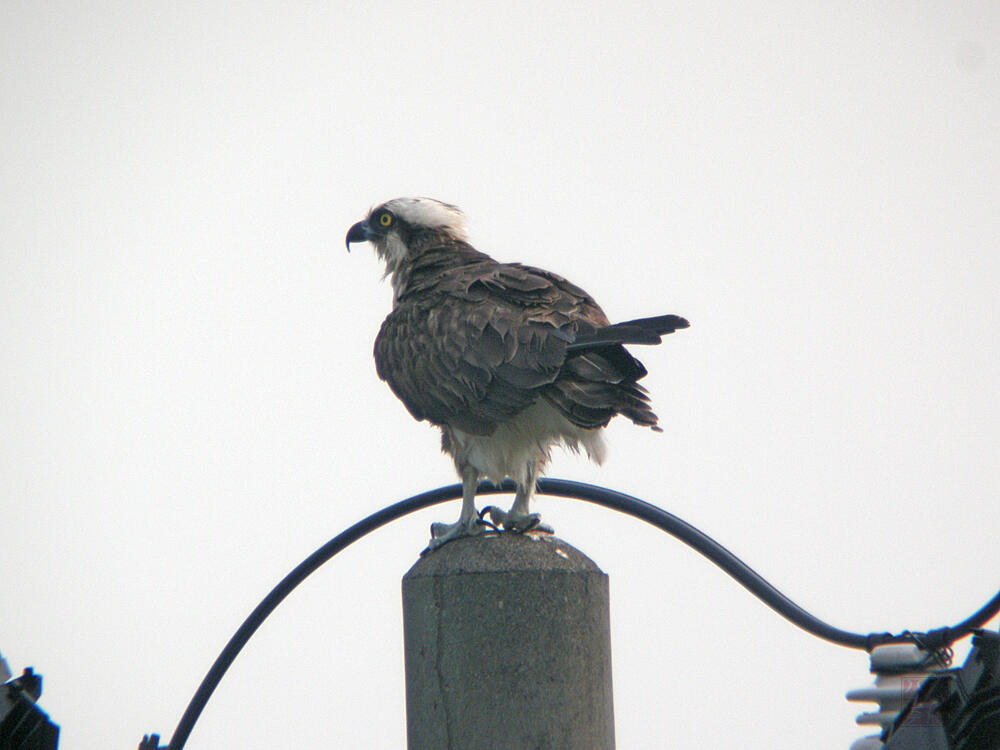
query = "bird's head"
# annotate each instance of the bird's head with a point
(399, 227)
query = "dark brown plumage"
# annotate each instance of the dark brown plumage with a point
(507, 359)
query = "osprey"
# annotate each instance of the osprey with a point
(508, 360)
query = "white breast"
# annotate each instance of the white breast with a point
(522, 443)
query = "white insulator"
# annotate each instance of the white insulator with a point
(882, 718)
(900, 669)
(867, 743)
(4, 670)
(891, 692)
(896, 656)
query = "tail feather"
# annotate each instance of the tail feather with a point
(598, 378)
(641, 331)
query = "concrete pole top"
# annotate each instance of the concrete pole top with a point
(502, 553)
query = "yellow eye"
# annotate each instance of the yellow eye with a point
(385, 220)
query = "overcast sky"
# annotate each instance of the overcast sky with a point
(188, 403)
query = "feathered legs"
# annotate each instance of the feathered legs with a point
(520, 518)
(468, 521)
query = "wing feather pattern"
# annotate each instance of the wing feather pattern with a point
(472, 344)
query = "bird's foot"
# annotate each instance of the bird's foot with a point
(442, 533)
(517, 523)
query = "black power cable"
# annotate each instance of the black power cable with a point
(685, 532)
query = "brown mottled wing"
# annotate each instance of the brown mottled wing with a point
(598, 377)
(482, 344)
(486, 340)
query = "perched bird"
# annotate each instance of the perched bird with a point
(508, 360)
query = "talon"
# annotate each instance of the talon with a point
(519, 524)
(442, 533)
(497, 516)
(488, 525)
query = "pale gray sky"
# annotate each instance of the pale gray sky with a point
(188, 405)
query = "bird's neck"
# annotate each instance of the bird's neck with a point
(426, 268)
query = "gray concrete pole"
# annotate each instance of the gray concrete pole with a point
(507, 647)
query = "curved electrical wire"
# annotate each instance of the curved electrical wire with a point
(658, 517)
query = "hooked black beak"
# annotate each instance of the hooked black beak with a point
(358, 233)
